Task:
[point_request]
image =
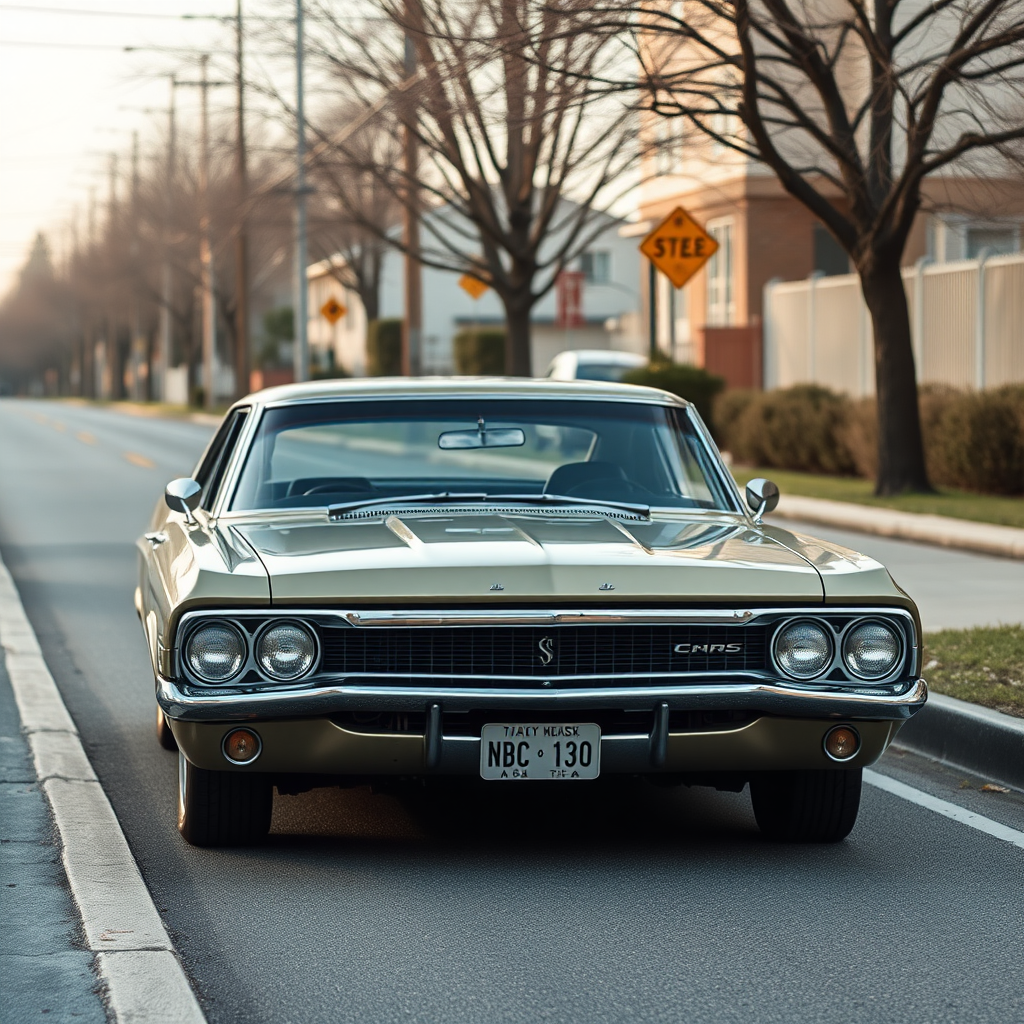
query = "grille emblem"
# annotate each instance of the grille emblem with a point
(708, 648)
(547, 650)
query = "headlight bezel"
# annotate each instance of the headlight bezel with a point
(838, 629)
(250, 627)
(797, 621)
(272, 624)
(867, 620)
(216, 623)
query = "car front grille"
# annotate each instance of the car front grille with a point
(543, 652)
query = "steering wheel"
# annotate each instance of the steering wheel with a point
(607, 488)
(334, 489)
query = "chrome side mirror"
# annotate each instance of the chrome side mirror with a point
(762, 497)
(182, 495)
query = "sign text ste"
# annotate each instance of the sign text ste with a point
(679, 247)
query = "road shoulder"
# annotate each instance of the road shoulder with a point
(122, 932)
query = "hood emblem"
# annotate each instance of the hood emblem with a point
(547, 650)
(606, 586)
(497, 586)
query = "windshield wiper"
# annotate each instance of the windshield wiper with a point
(565, 499)
(334, 511)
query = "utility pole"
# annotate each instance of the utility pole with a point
(412, 327)
(135, 342)
(167, 276)
(241, 228)
(209, 310)
(301, 351)
(112, 363)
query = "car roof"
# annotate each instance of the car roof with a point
(457, 387)
(604, 355)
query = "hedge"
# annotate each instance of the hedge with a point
(480, 352)
(973, 441)
(693, 383)
(384, 348)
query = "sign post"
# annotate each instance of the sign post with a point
(678, 247)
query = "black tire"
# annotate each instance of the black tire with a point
(164, 736)
(806, 806)
(222, 808)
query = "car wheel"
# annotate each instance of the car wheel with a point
(806, 806)
(164, 735)
(222, 808)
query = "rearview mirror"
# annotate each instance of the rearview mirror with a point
(183, 495)
(503, 437)
(762, 497)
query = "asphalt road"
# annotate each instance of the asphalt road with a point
(617, 902)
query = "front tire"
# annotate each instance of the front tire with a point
(164, 736)
(812, 806)
(222, 808)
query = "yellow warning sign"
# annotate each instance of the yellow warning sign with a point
(679, 247)
(333, 310)
(472, 286)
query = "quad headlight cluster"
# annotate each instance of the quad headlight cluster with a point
(218, 651)
(870, 649)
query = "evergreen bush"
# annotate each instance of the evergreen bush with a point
(384, 347)
(693, 383)
(480, 352)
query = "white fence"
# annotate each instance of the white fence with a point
(966, 320)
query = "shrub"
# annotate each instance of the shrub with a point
(480, 352)
(859, 435)
(693, 383)
(797, 428)
(384, 348)
(976, 442)
(727, 408)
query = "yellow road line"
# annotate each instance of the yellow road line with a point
(85, 437)
(139, 460)
(57, 425)
(39, 418)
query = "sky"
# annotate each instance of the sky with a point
(69, 95)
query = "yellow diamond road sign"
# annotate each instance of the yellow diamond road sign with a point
(333, 310)
(472, 286)
(679, 247)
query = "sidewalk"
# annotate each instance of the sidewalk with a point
(44, 965)
(944, 531)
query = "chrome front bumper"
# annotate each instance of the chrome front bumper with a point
(188, 705)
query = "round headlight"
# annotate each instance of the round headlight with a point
(286, 652)
(803, 649)
(872, 650)
(215, 652)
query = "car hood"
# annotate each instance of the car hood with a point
(506, 558)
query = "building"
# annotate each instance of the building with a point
(611, 308)
(764, 234)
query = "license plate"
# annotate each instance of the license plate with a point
(532, 750)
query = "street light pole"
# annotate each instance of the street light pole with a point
(167, 276)
(209, 312)
(301, 312)
(241, 232)
(412, 361)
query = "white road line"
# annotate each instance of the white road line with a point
(145, 982)
(945, 808)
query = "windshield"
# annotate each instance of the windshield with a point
(343, 452)
(613, 372)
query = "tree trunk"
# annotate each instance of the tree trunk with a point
(901, 464)
(517, 338)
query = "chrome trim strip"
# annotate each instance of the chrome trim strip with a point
(486, 617)
(765, 697)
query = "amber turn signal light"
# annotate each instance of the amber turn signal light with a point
(241, 746)
(841, 743)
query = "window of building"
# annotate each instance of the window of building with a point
(721, 288)
(997, 241)
(596, 266)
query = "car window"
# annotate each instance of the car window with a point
(317, 454)
(603, 371)
(218, 455)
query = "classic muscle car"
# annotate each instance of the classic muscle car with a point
(513, 580)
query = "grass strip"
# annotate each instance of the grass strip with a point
(981, 508)
(984, 665)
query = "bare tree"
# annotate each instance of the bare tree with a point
(518, 155)
(852, 104)
(344, 181)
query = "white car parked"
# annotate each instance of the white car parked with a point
(594, 364)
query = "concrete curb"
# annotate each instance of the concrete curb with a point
(975, 739)
(985, 538)
(135, 958)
